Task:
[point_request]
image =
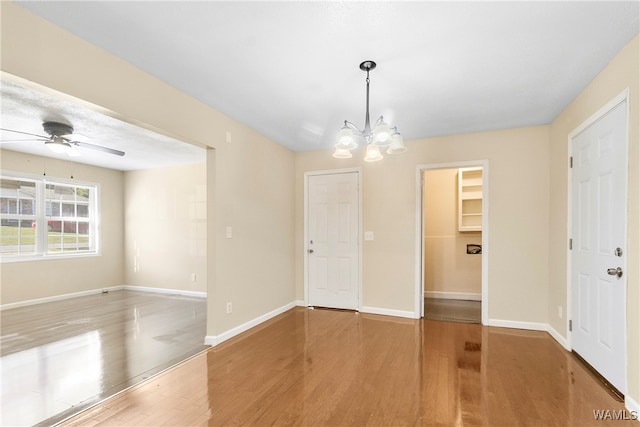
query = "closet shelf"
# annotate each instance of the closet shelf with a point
(470, 199)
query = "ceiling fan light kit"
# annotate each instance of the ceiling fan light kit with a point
(381, 136)
(58, 145)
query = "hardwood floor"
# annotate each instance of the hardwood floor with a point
(61, 357)
(451, 310)
(334, 368)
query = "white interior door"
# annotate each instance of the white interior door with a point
(598, 294)
(333, 228)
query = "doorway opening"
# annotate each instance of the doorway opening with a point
(452, 242)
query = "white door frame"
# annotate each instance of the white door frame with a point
(419, 244)
(623, 96)
(306, 225)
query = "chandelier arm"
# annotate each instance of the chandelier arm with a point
(354, 127)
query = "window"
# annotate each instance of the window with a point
(47, 217)
(17, 213)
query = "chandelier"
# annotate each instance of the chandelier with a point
(381, 136)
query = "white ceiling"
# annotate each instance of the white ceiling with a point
(290, 69)
(25, 108)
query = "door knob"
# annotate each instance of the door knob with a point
(310, 251)
(614, 272)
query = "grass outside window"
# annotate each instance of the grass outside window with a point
(13, 237)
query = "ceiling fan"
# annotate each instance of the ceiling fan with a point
(61, 139)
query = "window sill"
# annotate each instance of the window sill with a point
(28, 258)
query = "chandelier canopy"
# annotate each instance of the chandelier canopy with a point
(381, 136)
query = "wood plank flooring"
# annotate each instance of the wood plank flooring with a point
(451, 310)
(335, 368)
(61, 357)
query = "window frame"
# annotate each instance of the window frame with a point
(42, 249)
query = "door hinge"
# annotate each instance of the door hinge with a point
(570, 325)
(570, 244)
(571, 161)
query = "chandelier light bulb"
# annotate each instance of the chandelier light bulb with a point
(373, 153)
(346, 139)
(382, 134)
(397, 144)
(342, 153)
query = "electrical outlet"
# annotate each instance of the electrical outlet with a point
(193, 277)
(229, 308)
(229, 232)
(560, 311)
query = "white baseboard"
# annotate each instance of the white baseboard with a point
(389, 312)
(214, 340)
(532, 326)
(58, 297)
(632, 406)
(556, 336)
(467, 296)
(165, 291)
(375, 310)
(98, 291)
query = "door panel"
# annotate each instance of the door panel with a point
(332, 229)
(598, 218)
(604, 313)
(583, 312)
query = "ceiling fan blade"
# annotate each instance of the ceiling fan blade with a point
(5, 141)
(24, 133)
(98, 147)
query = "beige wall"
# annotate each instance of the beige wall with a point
(27, 280)
(448, 267)
(518, 218)
(166, 227)
(253, 185)
(622, 72)
(249, 181)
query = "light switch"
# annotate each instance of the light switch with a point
(368, 235)
(229, 232)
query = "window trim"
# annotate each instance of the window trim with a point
(41, 239)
